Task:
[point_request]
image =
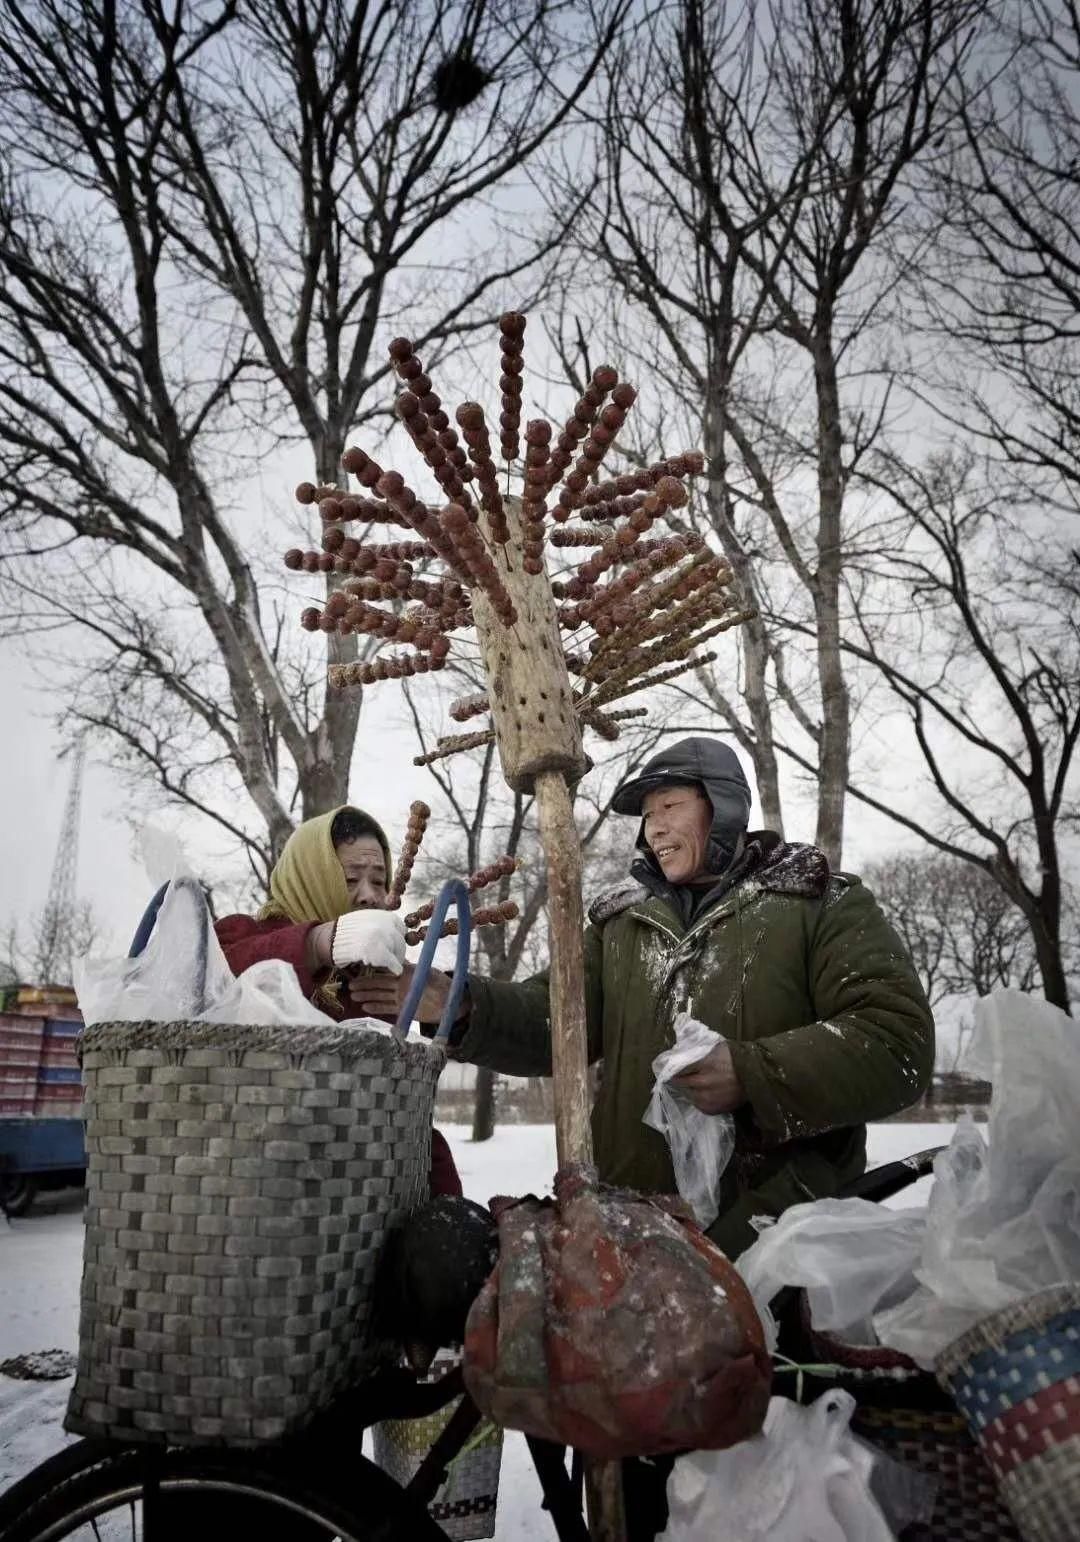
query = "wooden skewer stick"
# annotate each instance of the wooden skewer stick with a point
(421, 410)
(691, 463)
(589, 705)
(511, 343)
(627, 685)
(419, 814)
(600, 722)
(490, 915)
(580, 421)
(663, 597)
(473, 424)
(454, 745)
(662, 677)
(483, 878)
(596, 446)
(466, 707)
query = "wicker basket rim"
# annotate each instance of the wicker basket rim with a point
(348, 1044)
(993, 1331)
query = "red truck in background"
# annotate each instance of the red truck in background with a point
(41, 1131)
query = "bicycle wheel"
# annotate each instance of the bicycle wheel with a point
(96, 1493)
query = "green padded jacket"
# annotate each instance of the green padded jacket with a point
(796, 967)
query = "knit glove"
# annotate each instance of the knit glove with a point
(374, 939)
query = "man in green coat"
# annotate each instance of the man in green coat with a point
(824, 1021)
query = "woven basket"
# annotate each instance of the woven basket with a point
(240, 1182)
(1016, 1377)
(902, 1411)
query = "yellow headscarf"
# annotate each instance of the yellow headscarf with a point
(307, 883)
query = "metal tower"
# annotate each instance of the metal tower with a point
(55, 943)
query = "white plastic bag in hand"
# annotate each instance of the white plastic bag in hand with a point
(701, 1144)
(375, 938)
(805, 1478)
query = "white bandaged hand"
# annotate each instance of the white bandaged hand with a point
(375, 938)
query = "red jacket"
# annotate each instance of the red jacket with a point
(245, 941)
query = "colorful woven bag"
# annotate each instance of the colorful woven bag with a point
(1016, 1378)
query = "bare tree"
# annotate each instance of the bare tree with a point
(44, 952)
(755, 165)
(963, 932)
(1004, 289)
(968, 609)
(208, 216)
(976, 636)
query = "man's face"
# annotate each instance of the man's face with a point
(677, 825)
(364, 866)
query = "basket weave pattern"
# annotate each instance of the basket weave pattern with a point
(240, 1182)
(967, 1505)
(1016, 1376)
(899, 1411)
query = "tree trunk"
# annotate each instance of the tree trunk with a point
(483, 1124)
(324, 778)
(834, 744)
(1047, 939)
(763, 750)
(759, 743)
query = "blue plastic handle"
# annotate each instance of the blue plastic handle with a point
(453, 893)
(194, 891)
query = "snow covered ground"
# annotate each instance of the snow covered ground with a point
(40, 1258)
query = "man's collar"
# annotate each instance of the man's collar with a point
(779, 866)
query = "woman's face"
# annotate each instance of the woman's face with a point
(364, 866)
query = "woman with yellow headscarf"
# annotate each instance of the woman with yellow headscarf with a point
(332, 869)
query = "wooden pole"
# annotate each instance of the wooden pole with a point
(569, 1050)
(570, 1062)
(540, 750)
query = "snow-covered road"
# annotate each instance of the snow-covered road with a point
(40, 1259)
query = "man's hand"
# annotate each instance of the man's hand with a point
(382, 995)
(712, 1084)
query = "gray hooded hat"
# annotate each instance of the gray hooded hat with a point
(705, 762)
